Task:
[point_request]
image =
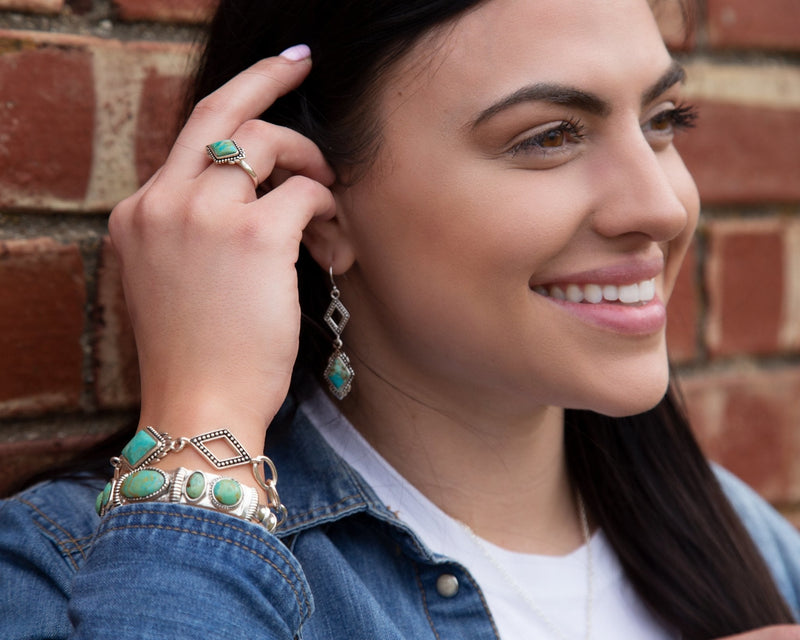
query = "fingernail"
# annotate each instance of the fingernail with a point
(297, 52)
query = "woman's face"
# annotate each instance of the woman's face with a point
(526, 156)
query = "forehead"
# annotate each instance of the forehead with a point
(604, 46)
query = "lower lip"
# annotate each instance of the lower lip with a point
(640, 320)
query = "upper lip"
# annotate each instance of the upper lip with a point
(618, 273)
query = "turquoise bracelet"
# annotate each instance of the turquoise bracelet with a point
(135, 481)
(185, 486)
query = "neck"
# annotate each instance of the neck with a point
(502, 474)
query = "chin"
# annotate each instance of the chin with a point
(638, 395)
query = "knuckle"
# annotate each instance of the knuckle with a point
(212, 105)
(255, 129)
(303, 187)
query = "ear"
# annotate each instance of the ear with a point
(328, 241)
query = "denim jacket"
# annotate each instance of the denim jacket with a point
(156, 570)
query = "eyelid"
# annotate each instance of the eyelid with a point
(661, 107)
(572, 127)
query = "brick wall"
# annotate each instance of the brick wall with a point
(87, 90)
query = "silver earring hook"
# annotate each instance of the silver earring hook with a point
(334, 288)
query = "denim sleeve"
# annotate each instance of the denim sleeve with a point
(150, 571)
(171, 571)
(36, 571)
(777, 540)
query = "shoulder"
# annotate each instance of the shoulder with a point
(777, 540)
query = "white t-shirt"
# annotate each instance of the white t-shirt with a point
(557, 585)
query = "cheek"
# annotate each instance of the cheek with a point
(472, 219)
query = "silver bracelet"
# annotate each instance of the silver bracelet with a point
(135, 481)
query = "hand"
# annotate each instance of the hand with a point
(208, 268)
(777, 632)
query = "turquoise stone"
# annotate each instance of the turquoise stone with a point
(140, 446)
(195, 485)
(102, 498)
(338, 373)
(143, 484)
(106, 493)
(224, 149)
(227, 492)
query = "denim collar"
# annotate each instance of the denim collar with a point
(318, 487)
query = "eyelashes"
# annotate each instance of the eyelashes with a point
(560, 137)
(554, 138)
(684, 116)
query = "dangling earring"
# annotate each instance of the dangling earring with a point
(338, 373)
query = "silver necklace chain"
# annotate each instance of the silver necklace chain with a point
(527, 598)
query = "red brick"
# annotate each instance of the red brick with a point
(745, 284)
(41, 324)
(768, 24)
(116, 365)
(682, 312)
(158, 126)
(32, 6)
(22, 460)
(744, 154)
(747, 421)
(191, 11)
(792, 514)
(46, 125)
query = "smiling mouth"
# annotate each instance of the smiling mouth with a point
(638, 293)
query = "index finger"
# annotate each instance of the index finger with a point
(244, 97)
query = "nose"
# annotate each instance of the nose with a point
(644, 191)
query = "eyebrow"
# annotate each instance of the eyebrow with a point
(576, 98)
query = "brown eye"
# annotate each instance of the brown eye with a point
(561, 137)
(662, 122)
(554, 138)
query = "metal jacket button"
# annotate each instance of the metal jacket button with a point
(447, 585)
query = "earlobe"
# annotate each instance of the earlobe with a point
(329, 243)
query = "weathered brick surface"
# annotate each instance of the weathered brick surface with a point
(41, 325)
(767, 24)
(746, 421)
(75, 140)
(747, 281)
(743, 153)
(32, 6)
(192, 11)
(160, 110)
(21, 460)
(45, 126)
(116, 366)
(682, 312)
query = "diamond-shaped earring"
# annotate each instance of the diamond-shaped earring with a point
(339, 373)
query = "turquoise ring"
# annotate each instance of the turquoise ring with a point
(228, 152)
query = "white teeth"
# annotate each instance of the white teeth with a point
(629, 293)
(596, 293)
(611, 292)
(647, 290)
(574, 293)
(593, 293)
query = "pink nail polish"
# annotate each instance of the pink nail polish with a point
(297, 52)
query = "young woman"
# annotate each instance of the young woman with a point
(487, 195)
